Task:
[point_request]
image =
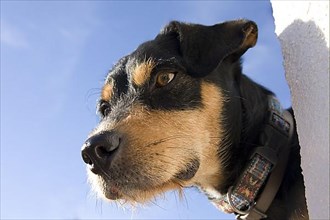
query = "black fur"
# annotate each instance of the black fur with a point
(211, 53)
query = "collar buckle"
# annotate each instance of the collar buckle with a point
(234, 208)
(253, 214)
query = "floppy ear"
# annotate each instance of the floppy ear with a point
(204, 47)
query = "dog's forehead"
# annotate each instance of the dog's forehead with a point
(116, 81)
(162, 47)
(136, 68)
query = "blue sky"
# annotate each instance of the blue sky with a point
(54, 56)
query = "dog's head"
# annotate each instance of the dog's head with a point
(162, 112)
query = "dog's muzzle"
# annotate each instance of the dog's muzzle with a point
(99, 150)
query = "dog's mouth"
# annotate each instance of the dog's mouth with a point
(105, 188)
(113, 193)
(130, 188)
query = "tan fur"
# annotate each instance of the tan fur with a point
(142, 72)
(107, 90)
(250, 37)
(161, 143)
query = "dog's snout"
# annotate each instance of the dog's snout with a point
(98, 151)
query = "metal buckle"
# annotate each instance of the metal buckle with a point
(244, 212)
(253, 214)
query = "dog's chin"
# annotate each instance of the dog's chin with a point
(111, 191)
(141, 188)
(136, 195)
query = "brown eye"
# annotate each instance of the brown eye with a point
(164, 78)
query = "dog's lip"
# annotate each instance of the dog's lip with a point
(113, 193)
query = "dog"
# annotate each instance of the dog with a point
(178, 112)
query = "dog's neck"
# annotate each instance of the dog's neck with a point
(243, 116)
(246, 112)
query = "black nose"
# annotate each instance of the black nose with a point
(99, 150)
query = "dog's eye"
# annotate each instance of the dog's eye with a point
(104, 108)
(164, 79)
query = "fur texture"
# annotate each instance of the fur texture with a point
(178, 112)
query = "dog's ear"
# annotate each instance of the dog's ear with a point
(204, 47)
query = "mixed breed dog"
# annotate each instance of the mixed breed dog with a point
(178, 112)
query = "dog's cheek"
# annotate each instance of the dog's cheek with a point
(211, 132)
(155, 156)
(163, 144)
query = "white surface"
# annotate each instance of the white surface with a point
(303, 30)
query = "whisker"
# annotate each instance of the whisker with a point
(163, 140)
(188, 149)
